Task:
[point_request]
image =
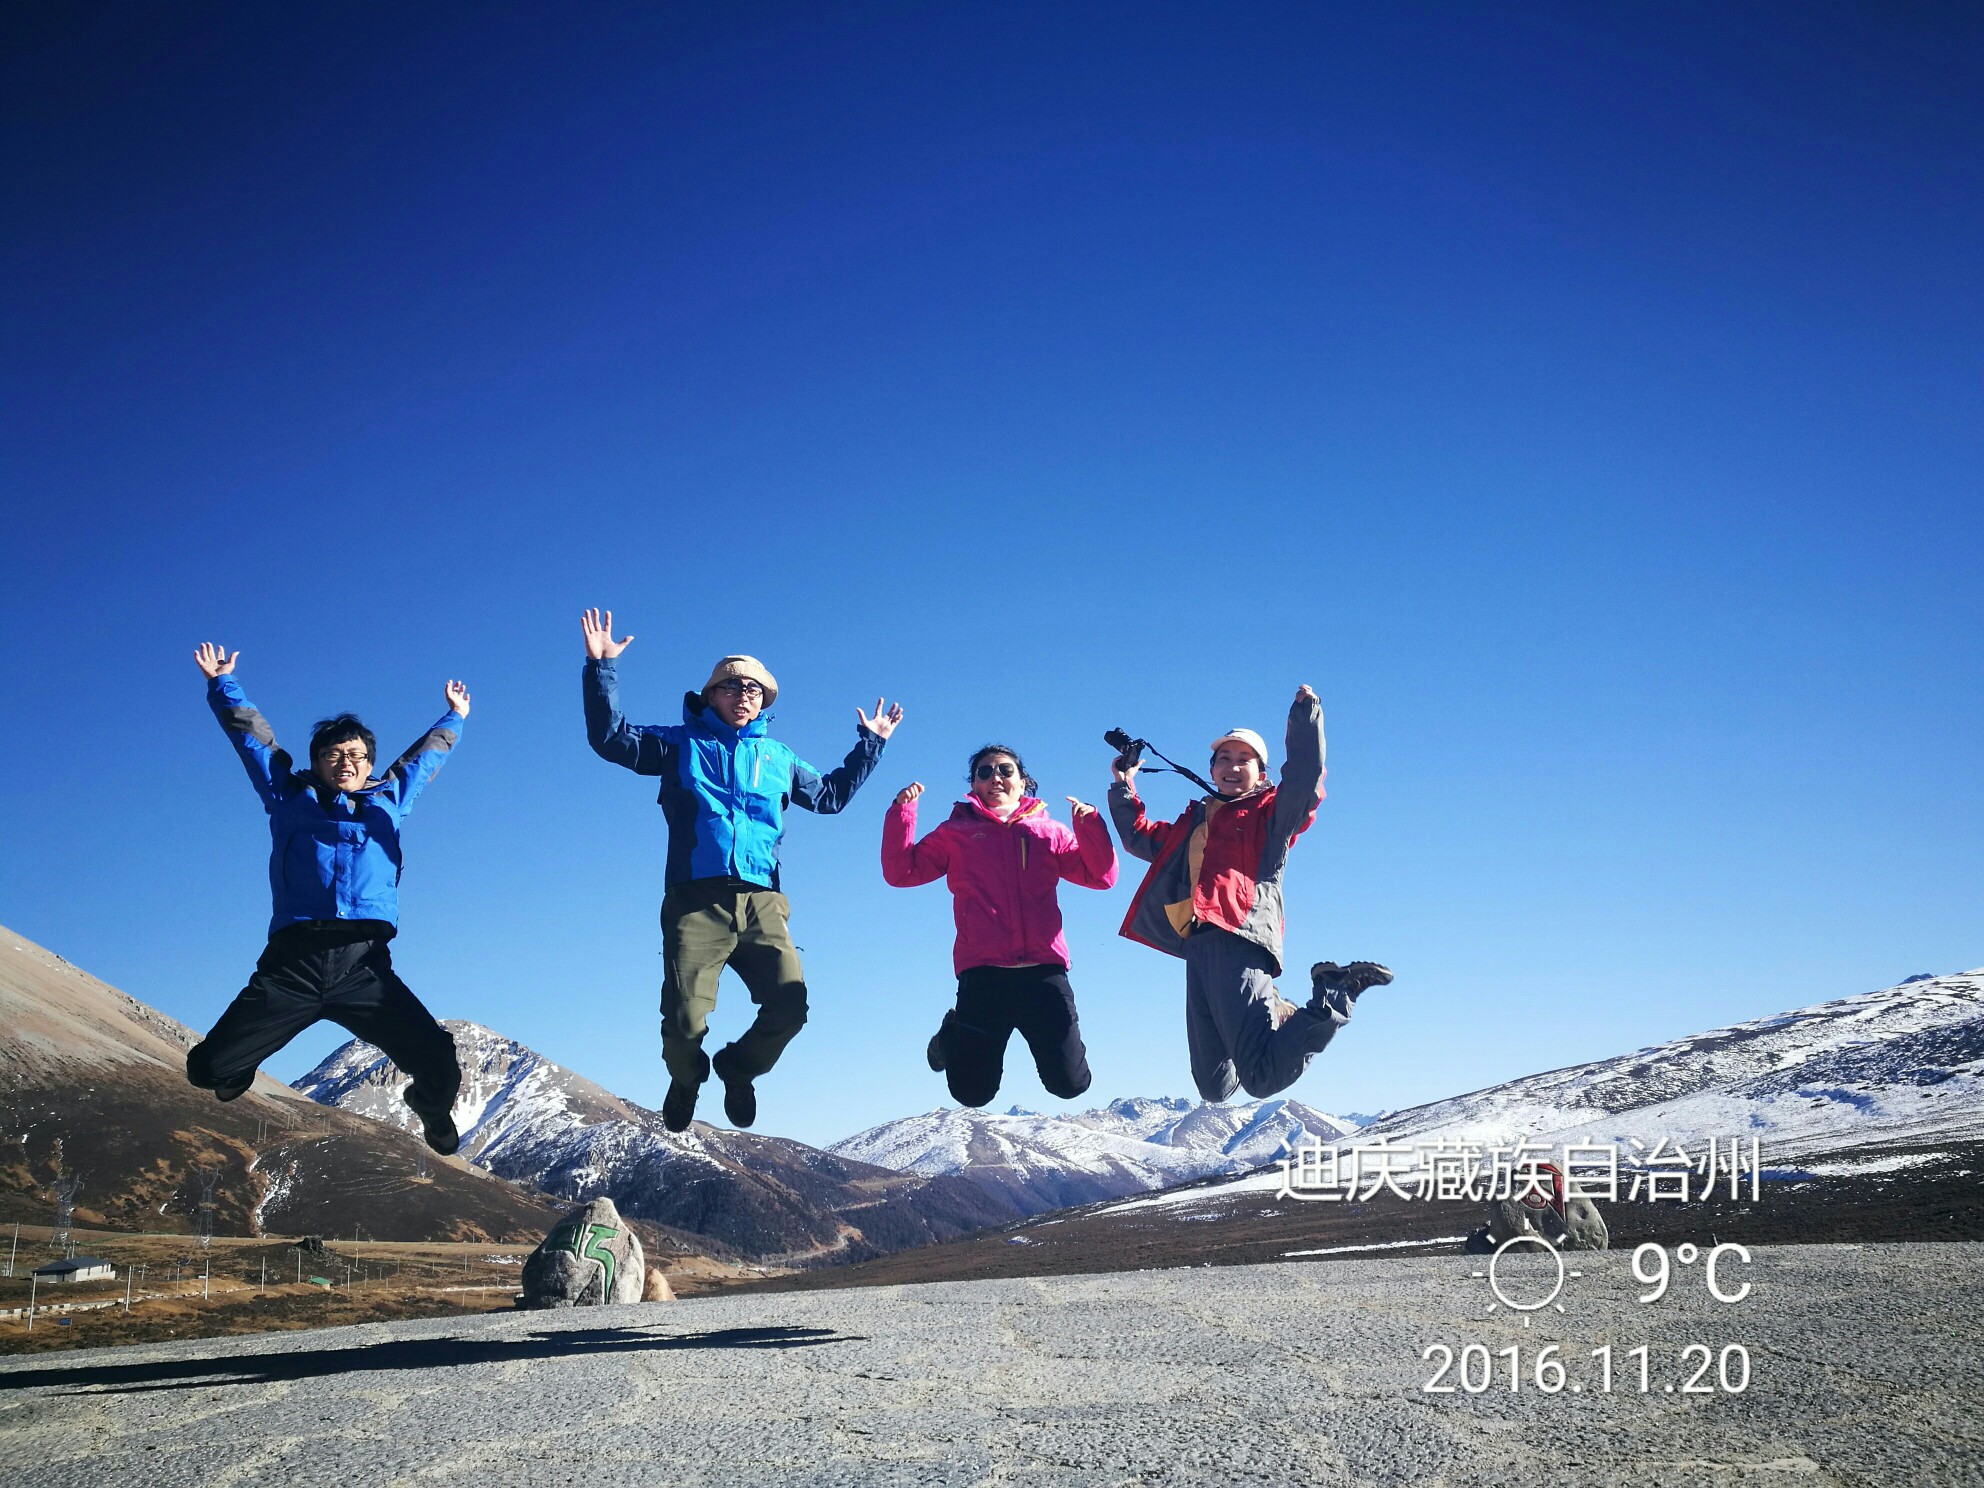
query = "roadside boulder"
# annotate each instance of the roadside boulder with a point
(591, 1257)
(1567, 1221)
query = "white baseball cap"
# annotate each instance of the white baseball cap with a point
(1243, 736)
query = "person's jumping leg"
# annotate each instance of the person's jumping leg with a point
(769, 964)
(698, 935)
(1238, 979)
(367, 997)
(1212, 1065)
(1045, 1015)
(282, 998)
(976, 1033)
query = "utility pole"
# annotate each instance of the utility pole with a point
(206, 1276)
(265, 1273)
(34, 1284)
(299, 1268)
(16, 1250)
(129, 1272)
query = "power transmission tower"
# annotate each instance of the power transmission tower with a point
(209, 1179)
(66, 1187)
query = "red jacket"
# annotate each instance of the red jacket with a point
(1239, 883)
(1003, 875)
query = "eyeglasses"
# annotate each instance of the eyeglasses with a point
(343, 756)
(1004, 771)
(740, 687)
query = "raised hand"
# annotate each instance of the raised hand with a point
(600, 645)
(1125, 776)
(882, 724)
(909, 793)
(1078, 808)
(214, 660)
(457, 696)
(1306, 694)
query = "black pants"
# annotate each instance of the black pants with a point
(312, 972)
(992, 1002)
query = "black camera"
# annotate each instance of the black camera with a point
(1128, 751)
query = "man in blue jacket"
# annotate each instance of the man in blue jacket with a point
(334, 871)
(725, 784)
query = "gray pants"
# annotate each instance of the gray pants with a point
(1229, 1020)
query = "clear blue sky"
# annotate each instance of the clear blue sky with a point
(1586, 401)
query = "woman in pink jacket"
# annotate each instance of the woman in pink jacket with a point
(1004, 858)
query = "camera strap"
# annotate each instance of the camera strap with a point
(1178, 769)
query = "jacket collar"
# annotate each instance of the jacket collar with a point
(972, 809)
(701, 719)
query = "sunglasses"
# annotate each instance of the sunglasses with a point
(986, 772)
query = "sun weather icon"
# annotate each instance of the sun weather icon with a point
(1525, 1294)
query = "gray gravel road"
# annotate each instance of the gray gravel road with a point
(1864, 1369)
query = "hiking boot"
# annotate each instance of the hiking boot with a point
(935, 1053)
(740, 1097)
(678, 1107)
(1353, 980)
(1337, 988)
(440, 1132)
(233, 1092)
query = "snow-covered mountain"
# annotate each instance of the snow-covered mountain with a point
(1874, 1082)
(1129, 1146)
(1901, 1065)
(525, 1118)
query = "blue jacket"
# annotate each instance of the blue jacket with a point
(334, 856)
(724, 790)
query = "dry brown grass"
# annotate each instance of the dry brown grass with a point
(222, 1290)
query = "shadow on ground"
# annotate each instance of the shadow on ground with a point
(408, 1353)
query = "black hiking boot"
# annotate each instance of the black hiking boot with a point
(740, 1097)
(935, 1053)
(1337, 988)
(440, 1132)
(678, 1107)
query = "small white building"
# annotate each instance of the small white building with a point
(77, 1268)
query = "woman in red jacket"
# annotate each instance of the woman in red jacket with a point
(1004, 859)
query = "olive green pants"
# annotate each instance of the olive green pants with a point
(706, 925)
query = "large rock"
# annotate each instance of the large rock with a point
(591, 1258)
(1567, 1221)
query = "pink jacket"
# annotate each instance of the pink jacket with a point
(1002, 874)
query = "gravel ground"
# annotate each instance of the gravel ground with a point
(1864, 1368)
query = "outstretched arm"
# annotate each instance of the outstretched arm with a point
(830, 792)
(409, 774)
(1087, 857)
(905, 861)
(1301, 788)
(639, 749)
(247, 730)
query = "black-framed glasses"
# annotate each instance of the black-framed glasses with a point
(343, 756)
(741, 687)
(1005, 770)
